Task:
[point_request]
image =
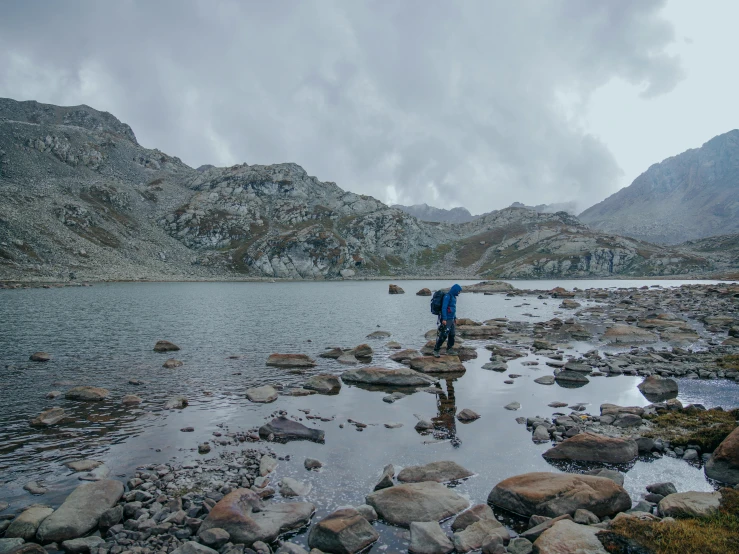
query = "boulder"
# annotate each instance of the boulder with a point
(363, 351)
(332, 353)
(628, 334)
(282, 429)
(290, 360)
(80, 512)
(427, 537)
(662, 489)
(83, 545)
(444, 364)
(656, 388)
(479, 332)
(344, 531)
(324, 383)
(568, 537)
(367, 512)
(401, 377)
(441, 472)
(723, 465)
(468, 517)
(556, 494)
(27, 523)
(290, 487)
(40, 357)
(267, 465)
(48, 417)
(248, 520)
(589, 447)
(615, 476)
(192, 547)
(176, 403)
(290, 548)
(88, 394)
(405, 355)
(378, 335)
(513, 406)
(311, 464)
(386, 479)
(215, 537)
(395, 289)
(262, 395)
(567, 378)
(424, 292)
(131, 400)
(689, 504)
(545, 380)
(165, 346)
(403, 504)
(10, 544)
(83, 465)
(476, 534)
(467, 415)
(172, 363)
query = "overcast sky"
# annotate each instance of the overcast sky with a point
(474, 104)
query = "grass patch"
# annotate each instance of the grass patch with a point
(705, 428)
(715, 534)
(729, 362)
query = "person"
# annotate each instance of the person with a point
(448, 320)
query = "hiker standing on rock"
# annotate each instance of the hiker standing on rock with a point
(447, 321)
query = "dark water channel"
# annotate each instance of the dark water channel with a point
(103, 336)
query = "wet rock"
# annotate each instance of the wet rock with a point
(282, 429)
(203, 448)
(615, 476)
(262, 395)
(545, 380)
(428, 538)
(444, 364)
(332, 353)
(392, 345)
(35, 488)
(165, 346)
(569, 304)
(311, 464)
(656, 388)
(378, 335)
(267, 465)
(48, 417)
(83, 545)
(403, 504)
(131, 400)
(172, 363)
(468, 517)
(215, 537)
(663, 489)
(401, 377)
(405, 355)
(88, 394)
(347, 358)
(111, 517)
(178, 402)
(513, 406)
(290, 360)
(571, 378)
(565, 537)
(555, 494)
(290, 548)
(520, 545)
(467, 415)
(395, 289)
(440, 472)
(248, 520)
(540, 434)
(9, 544)
(423, 425)
(83, 465)
(292, 487)
(628, 334)
(689, 504)
(424, 292)
(192, 547)
(475, 535)
(80, 512)
(26, 524)
(476, 332)
(392, 398)
(585, 517)
(367, 512)
(324, 383)
(627, 420)
(589, 447)
(344, 531)
(51, 395)
(363, 351)
(386, 480)
(40, 357)
(723, 465)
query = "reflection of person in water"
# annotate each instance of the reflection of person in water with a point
(445, 424)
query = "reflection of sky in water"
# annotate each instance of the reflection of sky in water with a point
(104, 335)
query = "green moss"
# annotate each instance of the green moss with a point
(704, 428)
(729, 362)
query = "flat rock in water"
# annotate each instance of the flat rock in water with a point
(556, 494)
(344, 531)
(723, 465)
(267, 465)
(324, 383)
(545, 380)
(424, 292)
(35, 488)
(513, 406)
(248, 520)
(403, 504)
(290, 360)
(88, 394)
(282, 429)
(656, 388)
(48, 417)
(165, 346)
(556, 404)
(292, 487)
(468, 517)
(176, 403)
(347, 358)
(628, 334)
(83, 465)
(378, 335)
(331, 353)
(571, 378)
(405, 355)
(571, 537)
(80, 512)
(689, 504)
(40, 357)
(467, 415)
(363, 351)
(478, 332)
(26, 524)
(401, 377)
(589, 447)
(131, 400)
(428, 538)
(441, 472)
(444, 364)
(262, 395)
(172, 363)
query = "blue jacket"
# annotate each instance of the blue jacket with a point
(449, 306)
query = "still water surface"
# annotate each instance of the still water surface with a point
(103, 336)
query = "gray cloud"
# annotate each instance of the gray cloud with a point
(471, 103)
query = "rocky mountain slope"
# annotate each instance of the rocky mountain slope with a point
(686, 197)
(424, 212)
(82, 199)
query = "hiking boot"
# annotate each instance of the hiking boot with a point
(436, 354)
(451, 352)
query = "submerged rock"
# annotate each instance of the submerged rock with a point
(324, 383)
(172, 363)
(40, 357)
(165, 346)
(290, 360)
(440, 472)
(262, 395)
(282, 429)
(88, 394)
(48, 417)
(403, 504)
(656, 388)
(176, 403)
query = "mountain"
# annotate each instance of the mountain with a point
(569, 207)
(82, 199)
(424, 212)
(686, 197)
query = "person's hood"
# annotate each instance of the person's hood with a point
(455, 290)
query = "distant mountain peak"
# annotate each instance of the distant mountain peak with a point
(424, 212)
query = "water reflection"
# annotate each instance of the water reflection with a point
(445, 421)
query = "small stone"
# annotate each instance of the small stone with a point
(311, 463)
(467, 415)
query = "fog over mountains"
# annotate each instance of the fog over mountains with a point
(82, 199)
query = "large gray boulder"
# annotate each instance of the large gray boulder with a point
(427, 537)
(403, 504)
(478, 533)
(589, 447)
(441, 472)
(80, 512)
(344, 531)
(656, 388)
(379, 376)
(247, 519)
(689, 504)
(568, 537)
(27, 523)
(324, 383)
(556, 494)
(724, 462)
(282, 429)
